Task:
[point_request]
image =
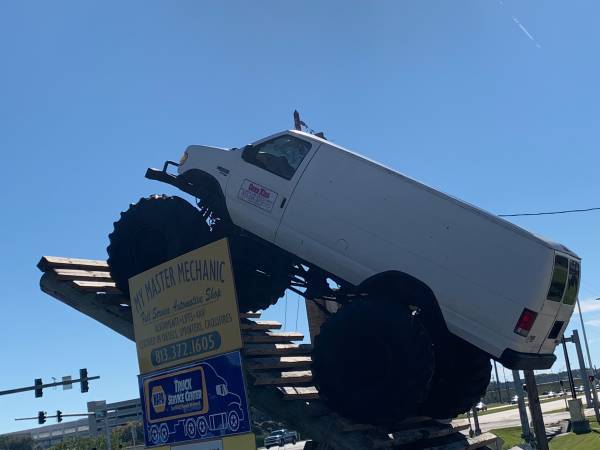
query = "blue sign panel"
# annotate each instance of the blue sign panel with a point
(204, 400)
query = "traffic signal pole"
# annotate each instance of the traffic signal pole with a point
(38, 386)
(41, 417)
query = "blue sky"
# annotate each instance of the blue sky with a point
(494, 102)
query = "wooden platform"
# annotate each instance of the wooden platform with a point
(277, 367)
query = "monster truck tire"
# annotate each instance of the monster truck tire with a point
(462, 374)
(261, 274)
(160, 228)
(372, 361)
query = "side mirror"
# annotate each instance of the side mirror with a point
(249, 153)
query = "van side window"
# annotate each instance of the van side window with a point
(281, 156)
(559, 278)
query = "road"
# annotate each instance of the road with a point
(298, 446)
(502, 419)
(510, 418)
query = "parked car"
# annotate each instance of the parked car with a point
(514, 399)
(552, 394)
(278, 438)
(481, 406)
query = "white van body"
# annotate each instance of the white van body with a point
(356, 218)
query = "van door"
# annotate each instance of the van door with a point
(561, 299)
(265, 177)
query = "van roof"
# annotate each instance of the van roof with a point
(477, 210)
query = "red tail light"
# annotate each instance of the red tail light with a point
(525, 322)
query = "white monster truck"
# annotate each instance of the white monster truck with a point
(430, 287)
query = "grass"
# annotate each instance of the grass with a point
(510, 436)
(570, 441)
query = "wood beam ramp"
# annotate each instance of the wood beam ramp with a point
(276, 362)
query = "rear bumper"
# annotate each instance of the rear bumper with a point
(514, 360)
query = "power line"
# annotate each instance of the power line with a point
(548, 213)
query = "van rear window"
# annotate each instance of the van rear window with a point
(559, 278)
(572, 282)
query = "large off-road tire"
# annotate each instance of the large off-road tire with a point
(152, 231)
(373, 361)
(461, 377)
(160, 228)
(261, 274)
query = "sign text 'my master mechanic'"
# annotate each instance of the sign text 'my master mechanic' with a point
(185, 309)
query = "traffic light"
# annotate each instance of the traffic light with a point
(38, 387)
(41, 417)
(84, 380)
(58, 415)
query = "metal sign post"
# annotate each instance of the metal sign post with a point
(526, 434)
(583, 370)
(590, 388)
(536, 411)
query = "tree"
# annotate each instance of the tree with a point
(18, 442)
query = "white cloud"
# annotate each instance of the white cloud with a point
(593, 323)
(589, 305)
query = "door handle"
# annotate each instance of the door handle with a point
(283, 202)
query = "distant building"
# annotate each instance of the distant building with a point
(104, 414)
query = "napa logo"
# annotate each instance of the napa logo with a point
(158, 399)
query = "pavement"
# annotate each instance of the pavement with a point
(298, 446)
(510, 418)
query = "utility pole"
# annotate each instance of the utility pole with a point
(107, 432)
(569, 372)
(585, 340)
(508, 399)
(536, 411)
(497, 382)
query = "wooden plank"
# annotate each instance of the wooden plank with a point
(79, 274)
(276, 349)
(260, 325)
(273, 337)
(299, 392)
(283, 362)
(88, 303)
(96, 286)
(283, 378)
(347, 426)
(49, 262)
(417, 434)
(250, 315)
